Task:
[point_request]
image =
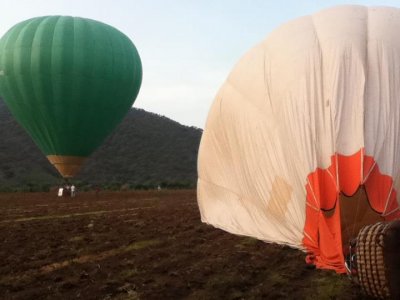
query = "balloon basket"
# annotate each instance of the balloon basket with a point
(376, 265)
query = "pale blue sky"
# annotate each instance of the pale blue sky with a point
(187, 47)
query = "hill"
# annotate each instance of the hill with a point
(145, 150)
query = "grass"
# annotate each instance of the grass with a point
(140, 245)
(100, 256)
(50, 217)
(246, 242)
(76, 239)
(328, 287)
(277, 279)
(127, 274)
(80, 260)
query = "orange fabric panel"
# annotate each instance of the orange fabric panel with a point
(323, 186)
(311, 238)
(322, 236)
(378, 187)
(311, 199)
(330, 241)
(349, 168)
(325, 248)
(322, 231)
(393, 216)
(369, 163)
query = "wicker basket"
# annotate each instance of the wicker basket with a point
(378, 249)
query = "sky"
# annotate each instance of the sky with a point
(187, 47)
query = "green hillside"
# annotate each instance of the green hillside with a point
(146, 150)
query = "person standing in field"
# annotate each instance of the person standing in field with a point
(73, 190)
(60, 192)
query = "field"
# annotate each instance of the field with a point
(143, 245)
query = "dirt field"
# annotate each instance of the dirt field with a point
(143, 245)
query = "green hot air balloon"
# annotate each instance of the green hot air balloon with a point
(68, 81)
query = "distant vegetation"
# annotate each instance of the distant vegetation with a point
(145, 151)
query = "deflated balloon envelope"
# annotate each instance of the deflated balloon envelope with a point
(307, 117)
(68, 81)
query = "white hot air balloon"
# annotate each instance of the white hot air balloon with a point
(306, 119)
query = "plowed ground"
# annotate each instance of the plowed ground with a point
(143, 245)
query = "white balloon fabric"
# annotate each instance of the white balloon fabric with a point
(311, 113)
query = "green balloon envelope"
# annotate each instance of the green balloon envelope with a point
(68, 81)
